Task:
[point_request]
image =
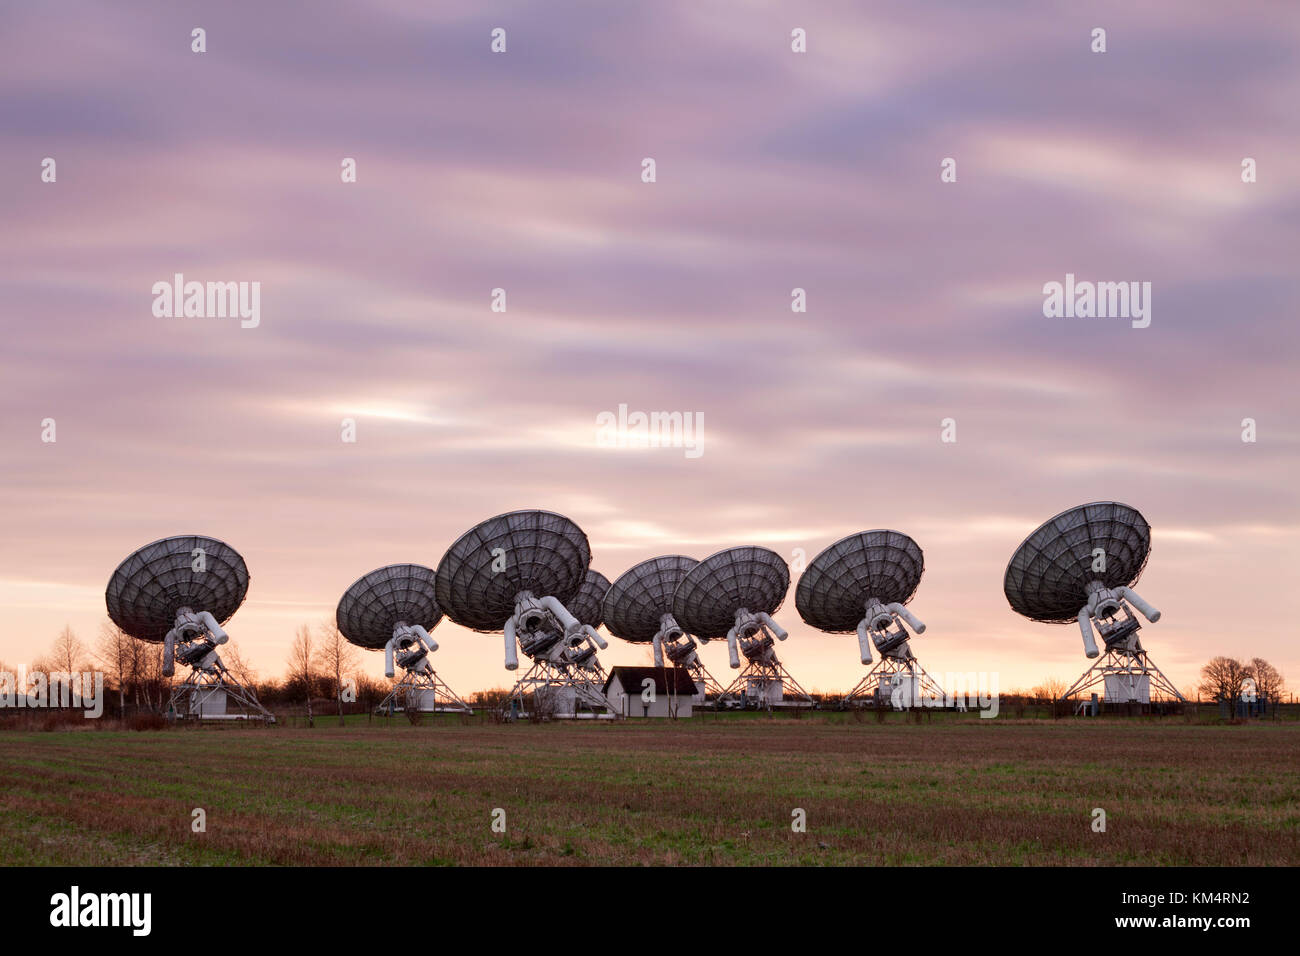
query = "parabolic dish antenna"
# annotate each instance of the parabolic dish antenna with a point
(387, 596)
(393, 609)
(1049, 576)
(709, 596)
(733, 594)
(1080, 566)
(537, 552)
(178, 591)
(517, 573)
(638, 608)
(588, 605)
(860, 583)
(886, 565)
(154, 583)
(637, 601)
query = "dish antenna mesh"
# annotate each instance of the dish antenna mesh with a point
(535, 551)
(588, 605)
(638, 609)
(1080, 566)
(178, 592)
(393, 609)
(706, 601)
(733, 594)
(1048, 577)
(517, 573)
(860, 583)
(378, 602)
(886, 565)
(640, 597)
(154, 583)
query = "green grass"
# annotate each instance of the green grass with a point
(706, 791)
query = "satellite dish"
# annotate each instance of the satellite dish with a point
(733, 594)
(153, 584)
(588, 604)
(393, 609)
(386, 598)
(481, 576)
(1052, 573)
(711, 596)
(861, 583)
(517, 573)
(638, 609)
(179, 592)
(1081, 566)
(883, 565)
(637, 604)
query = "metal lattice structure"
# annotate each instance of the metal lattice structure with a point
(517, 573)
(861, 584)
(1081, 566)
(178, 592)
(577, 679)
(638, 609)
(733, 594)
(393, 609)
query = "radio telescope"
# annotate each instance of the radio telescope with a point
(638, 608)
(178, 592)
(733, 594)
(393, 609)
(517, 573)
(860, 583)
(548, 650)
(1080, 567)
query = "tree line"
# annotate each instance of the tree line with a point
(322, 667)
(1231, 680)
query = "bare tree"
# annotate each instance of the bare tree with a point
(239, 668)
(1268, 679)
(1051, 690)
(301, 666)
(148, 684)
(113, 653)
(335, 657)
(369, 691)
(68, 654)
(138, 674)
(1221, 679)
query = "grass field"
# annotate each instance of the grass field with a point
(714, 791)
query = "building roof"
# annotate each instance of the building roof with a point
(675, 680)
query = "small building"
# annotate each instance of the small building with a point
(1128, 688)
(650, 691)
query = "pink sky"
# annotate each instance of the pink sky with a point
(775, 170)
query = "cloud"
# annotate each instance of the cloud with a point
(776, 171)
